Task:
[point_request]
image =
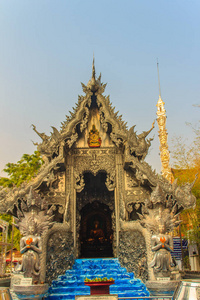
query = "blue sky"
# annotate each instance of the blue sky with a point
(47, 48)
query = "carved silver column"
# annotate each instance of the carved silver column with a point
(118, 188)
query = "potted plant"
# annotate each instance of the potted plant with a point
(99, 286)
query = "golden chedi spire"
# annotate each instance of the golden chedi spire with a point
(164, 152)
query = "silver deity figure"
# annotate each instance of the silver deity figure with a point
(162, 244)
(33, 221)
(160, 216)
(30, 247)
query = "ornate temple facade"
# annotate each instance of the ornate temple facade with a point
(98, 185)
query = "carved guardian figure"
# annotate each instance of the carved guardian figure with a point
(33, 221)
(162, 244)
(30, 247)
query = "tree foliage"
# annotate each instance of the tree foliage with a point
(16, 232)
(21, 171)
(186, 169)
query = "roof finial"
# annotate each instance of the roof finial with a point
(158, 78)
(93, 68)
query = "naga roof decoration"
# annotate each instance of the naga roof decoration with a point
(159, 211)
(78, 119)
(134, 148)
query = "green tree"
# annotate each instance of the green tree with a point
(23, 170)
(16, 232)
(186, 168)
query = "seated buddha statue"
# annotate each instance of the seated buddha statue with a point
(94, 140)
(96, 234)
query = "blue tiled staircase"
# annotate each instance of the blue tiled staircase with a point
(72, 283)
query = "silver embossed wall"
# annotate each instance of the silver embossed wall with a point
(96, 182)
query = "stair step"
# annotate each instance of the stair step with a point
(70, 284)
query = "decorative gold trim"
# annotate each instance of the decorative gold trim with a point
(164, 152)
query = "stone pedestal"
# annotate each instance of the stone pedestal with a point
(28, 292)
(161, 287)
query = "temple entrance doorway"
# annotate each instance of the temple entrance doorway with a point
(96, 225)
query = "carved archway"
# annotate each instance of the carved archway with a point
(94, 161)
(95, 204)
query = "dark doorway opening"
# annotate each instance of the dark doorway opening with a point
(96, 231)
(95, 205)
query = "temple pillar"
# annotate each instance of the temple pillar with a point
(118, 195)
(71, 193)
